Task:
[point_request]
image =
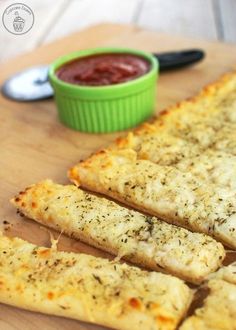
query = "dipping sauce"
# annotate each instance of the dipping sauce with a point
(103, 69)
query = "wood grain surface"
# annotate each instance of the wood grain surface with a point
(34, 145)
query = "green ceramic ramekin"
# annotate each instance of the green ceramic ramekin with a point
(103, 109)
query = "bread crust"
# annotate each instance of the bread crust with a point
(89, 289)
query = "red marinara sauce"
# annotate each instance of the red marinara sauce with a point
(103, 69)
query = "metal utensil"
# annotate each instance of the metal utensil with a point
(28, 85)
(32, 84)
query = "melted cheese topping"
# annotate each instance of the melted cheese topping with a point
(182, 167)
(88, 288)
(227, 273)
(175, 195)
(214, 167)
(142, 239)
(218, 311)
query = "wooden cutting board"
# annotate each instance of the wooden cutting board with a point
(34, 145)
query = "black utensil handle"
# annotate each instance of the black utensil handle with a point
(175, 60)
